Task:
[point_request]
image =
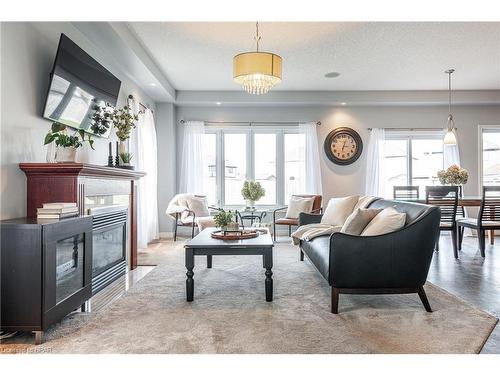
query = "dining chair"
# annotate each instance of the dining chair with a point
(446, 198)
(405, 193)
(487, 219)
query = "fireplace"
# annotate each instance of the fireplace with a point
(109, 244)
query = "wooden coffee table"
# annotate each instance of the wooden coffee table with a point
(204, 244)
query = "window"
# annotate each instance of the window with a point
(210, 168)
(235, 167)
(265, 165)
(273, 157)
(295, 165)
(490, 156)
(412, 159)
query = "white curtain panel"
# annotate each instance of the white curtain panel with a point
(313, 169)
(191, 172)
(144, 152)
(451, 154)
(375, 173)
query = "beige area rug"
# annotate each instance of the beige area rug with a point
(229, 315)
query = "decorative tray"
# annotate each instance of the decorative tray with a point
(231, 235)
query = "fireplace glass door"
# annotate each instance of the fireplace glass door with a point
(69, 266)
(108, 247)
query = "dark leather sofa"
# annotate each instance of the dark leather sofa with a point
(392, 263)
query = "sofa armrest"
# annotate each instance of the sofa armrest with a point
(399, 259)
(305, 218)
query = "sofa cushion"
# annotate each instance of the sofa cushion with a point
(318, 252)
(198, 205)
(388, 220)
(338, 210)
(358, 220)
(413, 210)
(298, 205)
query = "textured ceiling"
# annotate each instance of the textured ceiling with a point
(368, 55)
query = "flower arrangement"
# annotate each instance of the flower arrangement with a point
(124, 121)
(454, 175)
(223, 218)
(252, 191)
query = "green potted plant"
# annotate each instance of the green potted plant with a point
(124, 121)
(102, 118)
(252, 191)
(223, 219)
(66, 144)
(126, 157)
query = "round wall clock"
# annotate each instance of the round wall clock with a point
(343, 146)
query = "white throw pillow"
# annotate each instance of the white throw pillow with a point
(199, 206)
(298, 205)
(389, 220)
(338, 210)
(359, 219)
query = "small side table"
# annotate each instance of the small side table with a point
(253, 215)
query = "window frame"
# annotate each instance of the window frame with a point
(408, 136)
(250, 132)
(480, 129)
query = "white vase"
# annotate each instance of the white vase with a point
(65, 155)
(250, 203)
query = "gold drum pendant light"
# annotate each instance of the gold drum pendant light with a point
(257, 72)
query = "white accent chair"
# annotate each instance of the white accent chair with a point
(186, 210)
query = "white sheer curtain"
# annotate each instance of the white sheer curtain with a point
(313, 169)
(375, 173)
(451, 153)
(191, 172)
(143, 148)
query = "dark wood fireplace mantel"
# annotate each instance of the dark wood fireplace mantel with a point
(72, 182)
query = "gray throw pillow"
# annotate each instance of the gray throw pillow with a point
(358, 220)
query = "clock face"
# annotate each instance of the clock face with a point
(343, 146)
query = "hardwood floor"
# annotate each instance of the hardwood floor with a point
(471, 277)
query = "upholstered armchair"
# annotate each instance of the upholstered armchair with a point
(190, 210)
(293, 220)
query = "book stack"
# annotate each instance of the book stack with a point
(57, 211)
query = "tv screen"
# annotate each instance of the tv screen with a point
(81, 90)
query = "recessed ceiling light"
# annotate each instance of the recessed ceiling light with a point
(218, 103)
(152, 84)
(332, 75)
(343, 103)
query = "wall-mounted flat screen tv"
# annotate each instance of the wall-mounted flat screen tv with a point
(81, 90)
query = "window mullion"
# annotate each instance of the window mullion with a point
(221, 167)
(250, 156)
(280, 168)
(410, 164)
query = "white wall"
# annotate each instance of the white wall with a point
(345, 180)
(27, 54)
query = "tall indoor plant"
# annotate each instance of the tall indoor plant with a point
(66, 144)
